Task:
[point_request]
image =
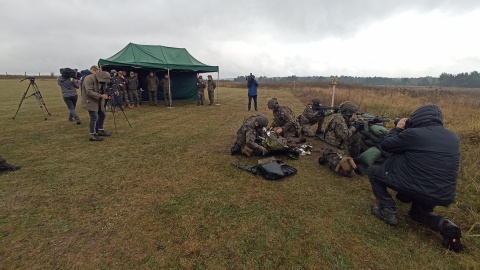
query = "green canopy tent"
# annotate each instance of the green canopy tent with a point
(181, 66)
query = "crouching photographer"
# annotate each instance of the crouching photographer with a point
(423, 169)
(93, 100)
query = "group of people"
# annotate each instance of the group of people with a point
(422, 167)
(211, 85)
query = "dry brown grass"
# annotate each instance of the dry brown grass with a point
(163, 194)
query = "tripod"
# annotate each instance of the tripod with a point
(116, 100)
(36, 93)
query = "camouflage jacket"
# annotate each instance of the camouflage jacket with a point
(211, 85)
(200, 86)
(121, 83)
(248, 133)
(164, 83)
(337, 133)
(152, 83)
(132, 83)
(285, 119)
(309, 115)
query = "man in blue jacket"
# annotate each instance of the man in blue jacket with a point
(423, 169)
(252, 85)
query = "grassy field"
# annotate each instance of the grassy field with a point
(163, 195)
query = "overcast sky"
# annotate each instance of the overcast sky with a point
(390, 38)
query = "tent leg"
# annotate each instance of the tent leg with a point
(218, 86)
(169, 91)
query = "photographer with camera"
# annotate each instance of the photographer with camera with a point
(423, 170)
(69, 82)
(252, 85)
(93, 100)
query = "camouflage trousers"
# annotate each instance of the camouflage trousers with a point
(166, 98)
(152, 96)
(200, 97)
(123, 94)
(293, 138)
(307, 126)
(133, 95)
(334, 155)
(211, 97)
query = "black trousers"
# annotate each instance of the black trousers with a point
(420, 211)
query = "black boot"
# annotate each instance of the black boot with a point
(388, 215)
(103, 133)
(9, 167)
(236, 149)
(451, 235)
(95, 138)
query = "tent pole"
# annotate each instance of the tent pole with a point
(169, 90)
(218, 87)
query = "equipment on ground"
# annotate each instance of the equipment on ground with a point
(36, 93)
(270, 168)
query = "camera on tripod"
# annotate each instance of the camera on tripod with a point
(70, 73)
(250, 77)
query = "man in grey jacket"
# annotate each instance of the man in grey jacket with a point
(93, 100)
(69, 87)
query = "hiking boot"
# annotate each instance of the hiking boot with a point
(95, 138)
(9, 167)
(361, 169)
(103, 133)
(386, 214)
(451, 235)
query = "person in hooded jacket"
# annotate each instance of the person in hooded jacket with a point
(69, 88)
(423, 169)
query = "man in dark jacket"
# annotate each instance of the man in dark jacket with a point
(152, 85)
(69, 87)
(252, 85)
(423, 170)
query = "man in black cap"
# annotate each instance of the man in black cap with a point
(423, 170)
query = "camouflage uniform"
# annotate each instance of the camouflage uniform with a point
(122, 89)
(200, 91)
(285, 119)
(248, 133)
(152, 84)
(166, 91)
(310, 117)
(340, 135)
(132, 86)
(211, 85)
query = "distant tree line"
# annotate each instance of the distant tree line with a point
(467, 80)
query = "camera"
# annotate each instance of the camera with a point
(70, 73)
(250, 77)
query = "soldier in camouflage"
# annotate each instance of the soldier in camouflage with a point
(4, 166)
(211, 85)
(247, 134)
(152, 85)
(285, 123)
(311, 116)
(132, 87)
(166, 90)
(122, 88)
(340, 134)
(200, 90)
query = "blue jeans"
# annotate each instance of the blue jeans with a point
(71, 104)
(250, 102)
(96, 120)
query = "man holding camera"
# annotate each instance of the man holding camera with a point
(423, 170)
(93, 100)
(252, 85)
(340, 135)
(69, 83)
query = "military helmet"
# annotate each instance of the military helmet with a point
(316, 101)
(262, 120)
(271, 103)
(348, 107)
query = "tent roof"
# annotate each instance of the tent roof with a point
(156, 56)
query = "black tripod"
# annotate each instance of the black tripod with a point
(116, 100)
(36, 93)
